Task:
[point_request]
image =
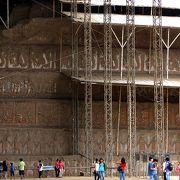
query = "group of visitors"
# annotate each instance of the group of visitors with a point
(59, 168)
(167, 167)
(100, 168)
(4, 169)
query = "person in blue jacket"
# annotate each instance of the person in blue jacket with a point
(102, 169)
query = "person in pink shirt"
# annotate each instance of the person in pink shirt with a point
(178, 169)
(61, 168)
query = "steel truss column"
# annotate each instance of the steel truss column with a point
(108, 81)
(131, 88)
(75, 84)
(158, 77)
(88, 78)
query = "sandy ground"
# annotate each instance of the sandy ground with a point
(91, 178)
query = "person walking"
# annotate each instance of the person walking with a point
(61, 168)
(96, 170)
(168, 167)
(150, 168)
(121, 169)
(57, 167)
(155, 169)
(21, 167)
(164, 169)
(5, 169)
(40, 168)
(178, 169)
(102, 169)
(12, 170)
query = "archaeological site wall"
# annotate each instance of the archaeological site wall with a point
(36, 96)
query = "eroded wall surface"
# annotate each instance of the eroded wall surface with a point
(35, 98)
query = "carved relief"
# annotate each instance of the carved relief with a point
(29, 57)
(6, 112)
(28, 84)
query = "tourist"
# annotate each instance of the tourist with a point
(57, 167)
(61, 168)
(168, 168)
(102, 169)
(40, 168)
(5, 168)
(12, 170)
(121, 169)
(150, 168)
(178, 169)
(21, 167)
(155, 169)
(96, 170)
(164, 169)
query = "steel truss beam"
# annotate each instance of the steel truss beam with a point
(108, 81)
(158, 77)
(88, 77)
(131, 88)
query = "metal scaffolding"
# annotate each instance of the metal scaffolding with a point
(158, 77)
(108, 81)
(6, 23)
(88, 78)
(131, 88)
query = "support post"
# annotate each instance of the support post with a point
(88, 83)
(158, 77)
(108, 81)
(131, 87)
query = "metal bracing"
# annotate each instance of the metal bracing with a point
(131, 88)
(6, 24)
(168, 46)
(108, 81)
(88, 77)
(158, 77)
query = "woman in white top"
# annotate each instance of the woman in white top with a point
(96, 169)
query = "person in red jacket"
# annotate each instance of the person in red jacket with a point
(122, 169)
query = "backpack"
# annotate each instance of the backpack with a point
(119, 168)
(169, 166)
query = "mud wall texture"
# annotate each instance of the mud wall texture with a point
(36, 97)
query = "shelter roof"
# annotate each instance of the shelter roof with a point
(140, 20)
(139, 3)
(140, 80)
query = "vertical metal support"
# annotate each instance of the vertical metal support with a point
(131, 88)
(158, 77)
(167, 123)
(122, 51)
(119, 117)
(167, 57)
(108, 81)
(88, 78)
(75, 118)
(54, 8)
(7, 14)
(75, 84)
